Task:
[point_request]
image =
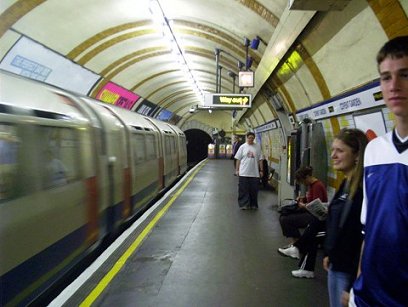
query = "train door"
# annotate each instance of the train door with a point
(117, 162)
(181, 150)
(121, 174)
(168, 146)
(112, 163)
(170, 159)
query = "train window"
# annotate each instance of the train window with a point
(9, 148)
(60, 153)
(151, 147)
(138, 144)
(33, 158)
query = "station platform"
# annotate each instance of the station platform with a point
(195, 247)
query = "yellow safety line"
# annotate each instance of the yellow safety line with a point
(122, 260)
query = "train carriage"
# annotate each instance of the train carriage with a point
(45, 196)
(73, 171)
(168, 150)
(181, 149)
(143, 152)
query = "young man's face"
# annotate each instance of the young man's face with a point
(394, 84)
(250, 139)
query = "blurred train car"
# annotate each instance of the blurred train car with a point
(72, 172)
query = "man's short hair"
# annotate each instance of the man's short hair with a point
(303, 172)
(394, 48)
(250, 133)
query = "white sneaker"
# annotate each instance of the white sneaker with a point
(303, 274)
(291, 251)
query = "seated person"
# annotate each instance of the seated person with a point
(305, 244)
(299, 219)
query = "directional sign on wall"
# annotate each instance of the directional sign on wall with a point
(230, 101)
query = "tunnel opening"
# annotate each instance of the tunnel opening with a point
(197, 145)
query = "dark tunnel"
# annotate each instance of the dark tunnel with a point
(197, 145)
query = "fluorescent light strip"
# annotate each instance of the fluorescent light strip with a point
(164, 26)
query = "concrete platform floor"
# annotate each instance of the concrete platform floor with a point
(206, 252)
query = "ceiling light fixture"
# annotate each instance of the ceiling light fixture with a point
(163, 24)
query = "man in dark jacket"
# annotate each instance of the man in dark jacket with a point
(235, 146)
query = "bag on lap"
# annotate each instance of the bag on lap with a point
(288, 206)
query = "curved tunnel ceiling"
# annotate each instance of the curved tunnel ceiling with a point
(119, 41)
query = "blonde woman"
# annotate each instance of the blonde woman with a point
(343, 226)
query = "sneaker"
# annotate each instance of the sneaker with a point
(244, 208)
(303, 274)
(291, 251)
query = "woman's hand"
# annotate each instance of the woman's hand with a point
(326, 263)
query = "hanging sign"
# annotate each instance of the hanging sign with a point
(230, 101)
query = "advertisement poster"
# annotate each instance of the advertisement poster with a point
(146, 108)
(164, 115)
(372, 124)
(114, 94)
(29, 59)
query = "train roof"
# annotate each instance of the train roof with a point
(22, 96)
(130, 118)
(163, 126)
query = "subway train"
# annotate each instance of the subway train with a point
(73, 171)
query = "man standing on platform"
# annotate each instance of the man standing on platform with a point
(235, 146)
(249, 169)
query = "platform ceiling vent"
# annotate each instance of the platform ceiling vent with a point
(318, 5)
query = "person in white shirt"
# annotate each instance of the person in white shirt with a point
(249, 168)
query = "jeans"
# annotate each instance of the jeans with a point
(308, 244)
(338, 282)
(292, 222)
